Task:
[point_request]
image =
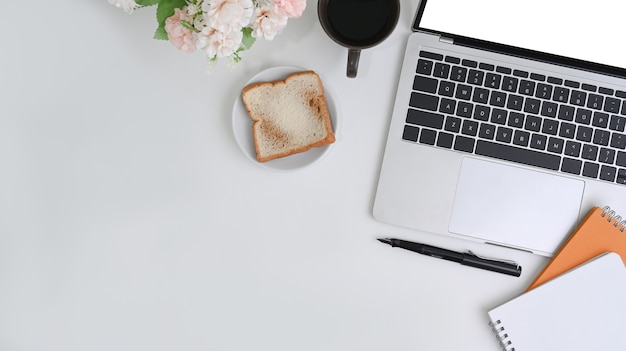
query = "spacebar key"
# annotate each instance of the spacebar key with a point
(515, 154)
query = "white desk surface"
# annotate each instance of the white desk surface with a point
(131, 220)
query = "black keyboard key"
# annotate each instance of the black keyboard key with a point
(589, 87)
(620, 94)
(428, 136)
(498, 116)
(539, 77)
(424, 118)
(572, 148)
(566, 113)
(497, 98)
(544, 91)
(612, 105)
(446, 88)
(567, 130)
(590, 152)
(578, 98)
(583, 116)
(538, 141)
(463, 92)
(618, 141)
(425, 84)
(533, 123)
(519, 155)
(458, 73)
(486, 66)
(453, 124)
(487, 131)
(492, 80)
(571, 166)
(504, 70)
(554, 80)
(595, 101)
(550, 127)
(606, 155)
(475, 77)
(441, 70)
(425, 101)
(608, 173)
(481, 95)
(572, 84)
(549, 109)
(516, 120)
(431, 55)
(621, 159)
(445, 140)
(555, 145)
(532, 106)
(410, 133)
(560, 94)
(464, 144)
(482, 112)
(527, 87)
(591, 170)
(509, 84)
(452, 59)
(601, 137)
(447, 106)
(424, 67)
(617, 123)
(584, 133)
(621, 176)
(505, 135)
(464, 109)
(469, 127)
(469, 63)
(600, 119)
(515, 102)
(521, 138)
(605, 91)
(520, 73)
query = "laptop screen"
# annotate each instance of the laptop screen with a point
(590, 30)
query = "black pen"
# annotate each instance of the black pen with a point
(466, 259)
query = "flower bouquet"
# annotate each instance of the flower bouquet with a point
(220, 28)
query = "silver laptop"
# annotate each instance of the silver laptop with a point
(509, 120)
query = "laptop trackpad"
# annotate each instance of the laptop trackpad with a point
(514, 206)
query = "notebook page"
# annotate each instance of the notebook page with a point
(582, 309)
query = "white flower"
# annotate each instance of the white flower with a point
(269, 21)
(219, 44)
(228, 15)
(127, 5)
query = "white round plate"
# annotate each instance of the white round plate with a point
(242, 125)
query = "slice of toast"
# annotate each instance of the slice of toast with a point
(290, 116)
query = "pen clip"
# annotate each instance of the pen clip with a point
(511, 262)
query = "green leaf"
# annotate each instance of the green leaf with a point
(248, 39)
(147, 2)
(164, 11)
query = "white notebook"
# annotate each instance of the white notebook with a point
(582, 309)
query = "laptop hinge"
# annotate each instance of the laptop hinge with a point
(446, 40)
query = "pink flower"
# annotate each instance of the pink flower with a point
(228, 15)
(268, 22)
(219, 44)
(293, 8)
(178, 34)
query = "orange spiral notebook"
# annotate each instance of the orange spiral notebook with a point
(601, 231)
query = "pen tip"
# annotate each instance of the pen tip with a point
(384, 241)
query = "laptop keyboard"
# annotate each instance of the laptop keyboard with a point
(518, 116)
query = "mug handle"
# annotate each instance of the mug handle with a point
(353, 62)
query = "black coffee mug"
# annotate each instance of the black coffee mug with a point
(358, 24)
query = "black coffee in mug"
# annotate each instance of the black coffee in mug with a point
(358, 24)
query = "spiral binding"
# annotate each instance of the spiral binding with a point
(619, 223)
(501, 335)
